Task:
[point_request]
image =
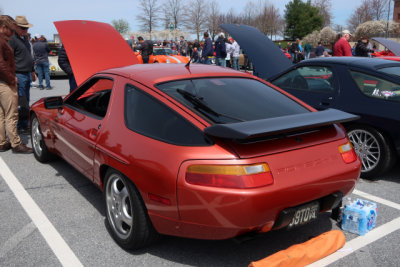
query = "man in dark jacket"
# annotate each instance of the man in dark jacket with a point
(146, 48)
(24, 66)
(41, 55)
(8, 92)
(319, 50)
(361, 48)
(207, 51)
(64, 64)
(220, 50)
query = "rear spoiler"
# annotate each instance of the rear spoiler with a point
(279, 125)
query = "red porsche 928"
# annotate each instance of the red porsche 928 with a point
(194, 151)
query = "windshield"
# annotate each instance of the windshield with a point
(391, 70)
(227, 100)
(162, 51)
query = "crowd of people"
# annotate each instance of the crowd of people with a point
(341, 48)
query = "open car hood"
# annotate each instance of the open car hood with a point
(389, 44)
(93, 46)
(268, 60)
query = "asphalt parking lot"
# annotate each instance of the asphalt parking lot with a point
(51, 215)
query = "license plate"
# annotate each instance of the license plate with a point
(305, 214)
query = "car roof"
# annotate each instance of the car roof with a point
(358, 62)
(150, 74)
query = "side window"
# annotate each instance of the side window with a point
(93, 97)
(146, 115)
(373, 86)
(309, 78)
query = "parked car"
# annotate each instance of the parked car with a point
(55, 70)
(185, 150)
(367, 87)
(164, 55)
(392, 49)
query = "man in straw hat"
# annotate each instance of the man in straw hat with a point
(24, 66)
(8, 91)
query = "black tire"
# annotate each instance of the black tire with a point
(373, 148)
(40, 150)
(130, 225)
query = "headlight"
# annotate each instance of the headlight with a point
(52, 68)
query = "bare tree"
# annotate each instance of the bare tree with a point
(325, 10)
(362, 14)
(268, 20)
(368, 10)
(214, 19)
(173, 13)
(249, 13)
(379, 9)
(196, 16)
(149, 15)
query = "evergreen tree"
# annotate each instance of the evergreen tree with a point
(301, 19)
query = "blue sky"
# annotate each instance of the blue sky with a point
(42, 13)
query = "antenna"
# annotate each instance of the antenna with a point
(188, 64)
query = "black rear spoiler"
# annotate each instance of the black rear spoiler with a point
(279, 125)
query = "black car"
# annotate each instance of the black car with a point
(368, 87)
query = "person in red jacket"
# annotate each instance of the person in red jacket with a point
(342, 47)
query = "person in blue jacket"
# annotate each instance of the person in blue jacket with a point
(207, 51)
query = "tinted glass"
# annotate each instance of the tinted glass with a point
(376, 87)
(93, 97)
(162, 51)
(226, 100)
(146, 115)
(391, 70)
(310, 78)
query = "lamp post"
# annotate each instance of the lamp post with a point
(387, 22)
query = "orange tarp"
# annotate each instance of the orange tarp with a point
(305, 253)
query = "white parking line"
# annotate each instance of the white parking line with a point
(60, 248)
(362, 241)
(359, 242)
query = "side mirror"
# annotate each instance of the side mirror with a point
(53, 102)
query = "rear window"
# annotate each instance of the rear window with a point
(391, 70)
(227, 100)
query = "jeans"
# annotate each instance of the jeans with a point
(43, 69)
(220, 62)
(307, 55)
(207, 61)
(235, 63)
(72, 83)
(24, 85)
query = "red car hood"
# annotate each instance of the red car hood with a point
(93, 46)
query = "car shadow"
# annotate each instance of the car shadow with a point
(391, 176)
(232, 252)
(236, 251)
(79, 182)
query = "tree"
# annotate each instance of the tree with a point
(268, 20)
(214, 19)
(325, 10)
(376, 28)
(173, 13)
(149, 15)
(301, 19)
(368, 10)
(196, 16)
(121, 25)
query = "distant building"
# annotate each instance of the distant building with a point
(396, 11)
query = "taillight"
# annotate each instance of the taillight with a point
(347, 152)
(230, 176)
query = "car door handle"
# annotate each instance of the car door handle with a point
(93, 133)
(326, 101)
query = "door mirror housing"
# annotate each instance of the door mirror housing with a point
(53, 102)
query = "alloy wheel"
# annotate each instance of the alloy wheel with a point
(36, 137)
(118, 201)
(367, 148)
